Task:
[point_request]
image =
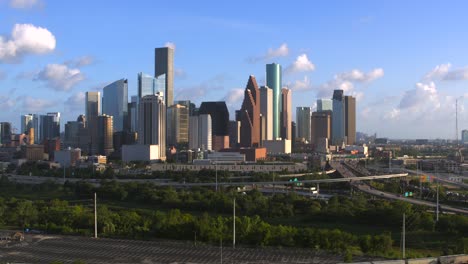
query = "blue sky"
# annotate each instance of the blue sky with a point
(405, 61)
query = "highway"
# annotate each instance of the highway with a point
(42, 179)
(440, 179)
(346, 173)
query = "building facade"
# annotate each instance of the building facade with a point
(115, 103)
(200, 135)
(152, 122)
(26, 122)
(286, 114)
(93, 110)
(273, 80)
(338, 118)
(266, 109)
(350, 120)
(303, 119)
(164, 65)
(105, 140)
(321, 126)
(50, 126)
(177, 124)
(250, 115)
(324, 105)
(220, 123)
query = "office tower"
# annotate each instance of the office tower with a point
(200, 132)
(350, 120)
(234, 134)
(164, 65)
(152, 122)
(464, 136)
(273, 81)
(26, 122)
(93, 110)
(105, 133)
(177, 124)
(321, 126)
(220, 123)
(132, 123)
(149, 85)
(37, 130)
(293, 134)
(76, 134)
(286, 113)
(250, 115)
(303, 117)
(115, 103)
(190, 106)
(5, 133)
(324, 105)
(338, 118)
(49, 126)
(266, 109)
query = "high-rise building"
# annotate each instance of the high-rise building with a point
(286, 113)
(177, 124)
(76, 134)
(350, 120)
(93, 110)
(220, 123)
(37, 130)
(50, 126)
(5, 133)
(324, 105)
(105, 135)
(152, 122)
(149, 85)
(115, 103)
(464, 136)
(321, 126)
(273, 81)
(250, 115)
(26, 122)
(266, 109)
(303, 119)
(164, 65)
(234, 134)
(200, 132)
(190, 106)
(338, 118)
(133, 114)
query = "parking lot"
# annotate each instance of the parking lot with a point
(42, 249)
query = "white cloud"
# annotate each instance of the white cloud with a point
(301, 85)
(423, 96)
(360, 76)
(25, 4)
(60, 77)
(393, 114)
(234, 97)
(80, 62)
(281, 51)
(443, 72)
(6, 103)
(301, 64)
(25, 39)
(34, 105)
(75, 102)
(456, 75)
(170, 45)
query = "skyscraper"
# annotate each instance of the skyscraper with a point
(93, 110)
(26, 122)
(234, 134)
(105, 135)
(338, 118)
(115, 103)
(50, 126)
(152, 122)
(273, 81)
(266, 109)
(250, 115)
(132, 121)
(220, 122)
(350, 120)
(36, 127)
(324, 105)
(321, 126)
(303, 119)
(286, 113)
(164, 64)
(5, 133)
(177, 124)
(149, 85)
(200, 132)
(464, 136)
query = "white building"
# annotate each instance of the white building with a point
(68, 157)
(277, 146)
(200, 132)
(152, 122)
(140, 153)
(266, 109)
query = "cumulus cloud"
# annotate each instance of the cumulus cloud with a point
(439, 72)
(81, 61)
(393, 114)
(346, 80)
(59, 77)
(170, 45)
(417, 99)
(34, 105)
(281, 51)
(445, 73)
(234, 97)
(25, 39)
(25, 4)
(301, 64)
(75, 102)
(301, 85)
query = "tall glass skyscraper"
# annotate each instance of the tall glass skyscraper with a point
(50, 126)
(273, 80)
(324, 105)
(26, 123)
(164, 65)
(115, 103)
(338, 118)
(303, 118)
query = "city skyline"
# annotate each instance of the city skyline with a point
(412, 86)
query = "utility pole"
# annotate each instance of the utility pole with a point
(404, 237)
(234, 224)
(95, 216)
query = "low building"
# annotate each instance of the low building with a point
(207, 165)
(34, 152)
(68, 157)
(99, 159)
(140, 153)
(278, 146)
(226, 157)
(254, 154)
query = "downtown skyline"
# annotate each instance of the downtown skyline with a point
(404, 88)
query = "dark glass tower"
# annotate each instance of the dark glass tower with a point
(164, 64)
